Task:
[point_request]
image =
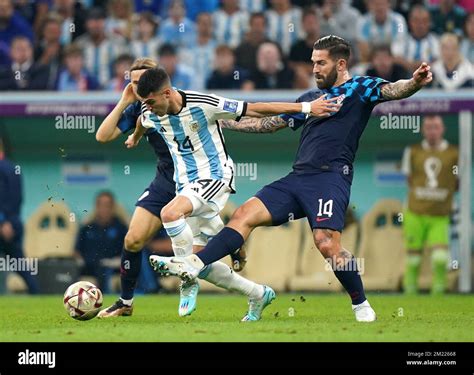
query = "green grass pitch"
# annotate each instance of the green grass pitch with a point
(291, 317)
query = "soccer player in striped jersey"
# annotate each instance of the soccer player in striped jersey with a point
(204, 172)
(146, 219)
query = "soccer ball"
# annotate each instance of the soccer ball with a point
(82, 300)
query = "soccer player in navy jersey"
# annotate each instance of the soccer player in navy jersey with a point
(318, 188)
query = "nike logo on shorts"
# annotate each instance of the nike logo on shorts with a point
(318, 219)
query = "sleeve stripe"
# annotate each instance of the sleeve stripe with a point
(206, 97)
(202, 101)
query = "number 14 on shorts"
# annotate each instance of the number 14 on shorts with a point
(325, 209)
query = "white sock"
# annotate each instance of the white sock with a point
(127, 302)
(222, 275)
(181, 236)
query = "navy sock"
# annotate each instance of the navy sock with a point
(351, 281)
(226, 242)
(130, 266)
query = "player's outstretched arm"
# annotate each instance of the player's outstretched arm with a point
(407, 87)
(134, 138)
(108, 130)
(320, 107)
(255, 125)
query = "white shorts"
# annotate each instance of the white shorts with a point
(207, 196)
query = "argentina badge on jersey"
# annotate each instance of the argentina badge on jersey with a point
(230, 106)
(194, 126)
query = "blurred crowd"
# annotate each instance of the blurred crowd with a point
(69, 45)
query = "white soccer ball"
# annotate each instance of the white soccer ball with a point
(82, 300)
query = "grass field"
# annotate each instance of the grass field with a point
(291, 317)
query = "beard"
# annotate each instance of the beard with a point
(328, 81)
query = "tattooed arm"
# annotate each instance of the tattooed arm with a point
(255, 125)
(407, 87)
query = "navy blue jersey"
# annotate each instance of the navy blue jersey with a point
(331, 143)
(128, 122)
(95, 242)
(10, 193)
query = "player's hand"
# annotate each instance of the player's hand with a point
(323, 107)
(423, 76)
(132, 141)
(128, 96)
(6, 231)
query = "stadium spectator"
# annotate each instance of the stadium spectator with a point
(11, 227)
(246, 52)
(429, 169)
(99, 51)
(338, 17)
(75, 77)
(226, 76)
(48, 47)
(467, 44)
(380, 26)
(301, 51)
(201, 57)
(34, 12)
(119, 22)
(452, 71)
(99, 243)
(145, 42)
(177, 29)
(74, 18)
(230, 24)
(12, 24)
(20, 74)
(121, 73)
(404, 6)
(420, 44)
(181, 76)
(284, 24)
(272, 72)
(447, 17)
(384, 66)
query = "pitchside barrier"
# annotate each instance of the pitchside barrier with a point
(399, 115)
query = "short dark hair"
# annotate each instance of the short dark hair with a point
(105, 193)
(337, 47)
(167, 49)
(380, 48)
(152, 80)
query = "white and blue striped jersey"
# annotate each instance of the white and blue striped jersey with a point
(99, 59)
(230, 29)
(284, 29)
(392, 29)
(195, 139)
(411, 49)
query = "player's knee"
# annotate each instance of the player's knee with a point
(326, 245)
(242, 216)
(168, 214)
(133, 242)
